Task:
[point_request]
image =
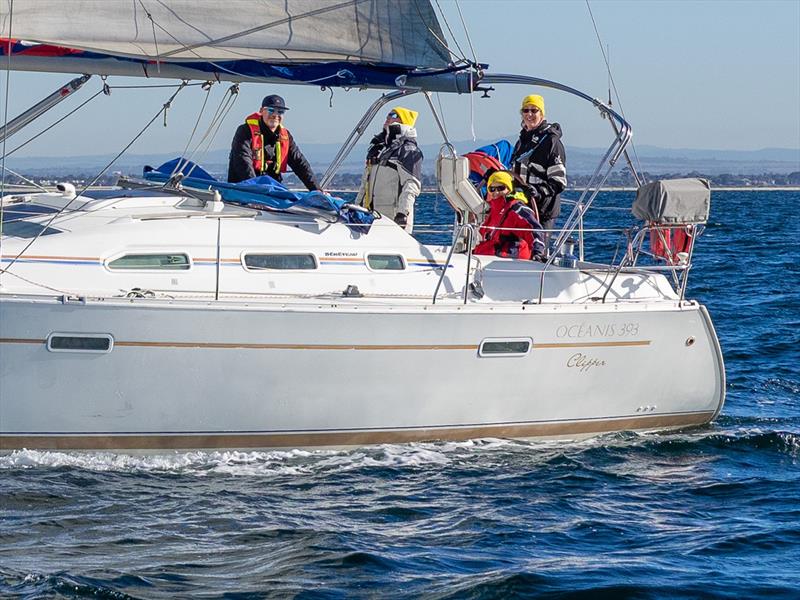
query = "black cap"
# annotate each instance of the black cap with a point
(273, 101)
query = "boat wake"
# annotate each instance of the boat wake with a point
(743, 434)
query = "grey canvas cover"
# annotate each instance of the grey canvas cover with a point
(673, 201)
(371, 31)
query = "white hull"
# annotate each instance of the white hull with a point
(185, 375)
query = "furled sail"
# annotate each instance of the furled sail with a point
(324, 42)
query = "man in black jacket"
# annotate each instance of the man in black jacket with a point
(539, 160)
(263, 146)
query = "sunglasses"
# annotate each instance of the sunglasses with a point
(275, 111)
(530, 110)
(392, 115)
(497, 188)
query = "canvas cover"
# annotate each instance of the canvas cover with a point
(377, 31)
(673, 201)
(266, 192)
(371, 43)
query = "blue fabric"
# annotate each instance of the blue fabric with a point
(501, 150)
(330, 74)
(265, 192)
(188, 167)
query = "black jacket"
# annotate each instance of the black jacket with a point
(240, 165)
(539, 161)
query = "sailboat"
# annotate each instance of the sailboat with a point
(166, 314)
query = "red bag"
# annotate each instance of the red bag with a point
(667, 242)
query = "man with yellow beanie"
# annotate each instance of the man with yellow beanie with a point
(393, 175)
(539, 160)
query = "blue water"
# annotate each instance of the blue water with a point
(711, 512)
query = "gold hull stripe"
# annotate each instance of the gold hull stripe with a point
(242, 346)
(344, 438)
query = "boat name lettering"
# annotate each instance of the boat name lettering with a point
(586, 330)
(583, 362)
(341, 254)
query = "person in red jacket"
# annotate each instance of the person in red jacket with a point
(511, 228)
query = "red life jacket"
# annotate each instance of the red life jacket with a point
(480, 162)
(257, 144)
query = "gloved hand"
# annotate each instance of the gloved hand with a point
(401, 219)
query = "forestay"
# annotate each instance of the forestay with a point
(349, 42)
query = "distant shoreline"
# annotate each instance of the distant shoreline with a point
(714, 188)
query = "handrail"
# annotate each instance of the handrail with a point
(359, 130)
(623, 135)
(470, 229)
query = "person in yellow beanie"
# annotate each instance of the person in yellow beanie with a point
(511, 229)
(393, 174)
(539, 160)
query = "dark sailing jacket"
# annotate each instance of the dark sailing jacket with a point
(393, 175)
(540, 162)
(240, 165)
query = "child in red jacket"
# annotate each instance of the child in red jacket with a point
(511, 228)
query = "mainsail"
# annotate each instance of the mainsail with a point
(373, 43)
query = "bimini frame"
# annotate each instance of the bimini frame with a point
(622, 136)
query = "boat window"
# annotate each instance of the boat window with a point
(282, 262)
(385, 262)
(100, 343)
(24, 229)
(505, 347)
(168, 262)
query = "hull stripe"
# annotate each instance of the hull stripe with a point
(244, 346)
(208, 440)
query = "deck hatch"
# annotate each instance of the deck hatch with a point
(495, 347)
(96, 343)
(165, 261)
(26, 229)
(280, 262)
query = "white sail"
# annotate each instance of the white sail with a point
(364, 31)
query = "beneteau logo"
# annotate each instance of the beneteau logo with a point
(341, 254)
(584, 362)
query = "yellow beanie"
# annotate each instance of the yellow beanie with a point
(534, 100)
(406, 116)
(501, 178)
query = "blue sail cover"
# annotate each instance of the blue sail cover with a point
(263, 192)
(371, 43)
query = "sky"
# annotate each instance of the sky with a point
(690, 74)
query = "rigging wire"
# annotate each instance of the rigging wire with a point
(54, 123)
(5, 124)
(55, 215)
(474, 61)
(466, 33)
(452, 35)
(613, 84)
(178, 165)
(155, 38)
(442, 43)
(20, 176)
(225, 106)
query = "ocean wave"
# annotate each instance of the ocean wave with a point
(65, 585)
